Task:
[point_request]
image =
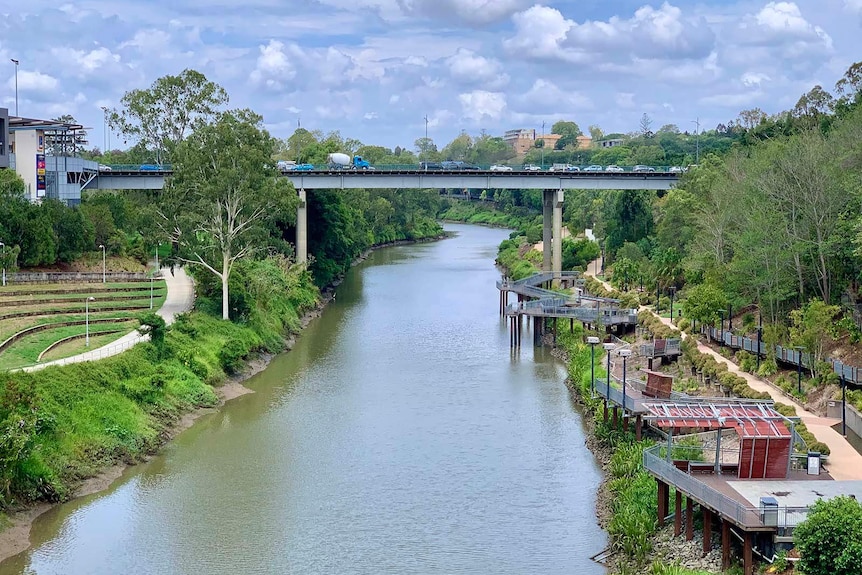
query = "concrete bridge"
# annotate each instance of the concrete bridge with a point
(553, 185)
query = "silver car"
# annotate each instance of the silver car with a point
(594, 168)
(614, 168)
(499, 168)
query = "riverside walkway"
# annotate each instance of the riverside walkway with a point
(180, 298)
(844, 461)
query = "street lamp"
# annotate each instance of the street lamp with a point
(592, 340)
(157, 257)
(759, 338)
(697, 141)
(657, 298)
(14, 61)
(103, 262)
(624, 353)
(87, 319)
(152, 280)
(799, 349)
(3, 248)
(105, 130)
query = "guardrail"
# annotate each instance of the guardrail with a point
(743, 515)
(94, 355)
(851, 374)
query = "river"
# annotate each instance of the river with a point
(400, 435)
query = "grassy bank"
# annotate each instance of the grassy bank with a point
(63, 424)
(485, 213)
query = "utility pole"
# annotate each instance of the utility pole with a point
(543, 145)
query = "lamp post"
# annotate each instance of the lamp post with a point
(624, 353)
(696, 141)
(543, 145)
(592, 340)
(103, 262)
(87, 320)
(157, 256)
(721, 328)
(609, 347)
(14, 61)
(152, 280)
(104, 130)
(3, 248)
(657, 298)
(799, 349)
(759, 337)
(603, 257)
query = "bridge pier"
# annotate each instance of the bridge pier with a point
(552, 230)
(302, 228)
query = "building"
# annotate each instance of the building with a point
(584, 142)
(44, 154)
(550, 140)
(520, 140)
(613, 143)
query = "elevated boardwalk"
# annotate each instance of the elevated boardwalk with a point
(535, 301)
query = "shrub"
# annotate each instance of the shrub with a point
(830, 539)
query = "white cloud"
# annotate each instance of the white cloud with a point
(86, 63)
(480, 104)
(471, 12)
(33, 82)
(754, 79)
(782, 24)
(854, 6)
(273, 66)
(470, 68)
(539, 33)
(546, 96)
(733, 101)
(625, 100)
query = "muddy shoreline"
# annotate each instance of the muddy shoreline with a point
(15, 537)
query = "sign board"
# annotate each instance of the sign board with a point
(41, 147)
(813, 463)
(40, 175)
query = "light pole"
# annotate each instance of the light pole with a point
(759, 337)
(152, 280)
(624, 353)
(87, 320)
(157, 256)
(799, 349)
(105, 130)
(592, 340)
(3, 248)
(657, 298)
(425, 147)
(103, 261)
(14, 61)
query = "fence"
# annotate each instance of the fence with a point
(850, 373)
(73, 277)
(96, 354)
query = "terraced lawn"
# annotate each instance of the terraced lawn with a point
(44, 304)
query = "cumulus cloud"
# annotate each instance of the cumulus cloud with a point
(480, 104)
(273, 66)
(470, 68)
(782, 25)
(33, 82)
(539, 33)
(754, 79)
(546, 96)
(85, 63)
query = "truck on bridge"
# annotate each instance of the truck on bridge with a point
(340, 161)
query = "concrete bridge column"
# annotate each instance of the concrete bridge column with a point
(557, 240)
(302, 229)
(547, 228)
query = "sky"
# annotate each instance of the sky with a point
(375, 70)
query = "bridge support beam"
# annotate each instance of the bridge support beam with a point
(552, 231)
(557, 240)
(302, 228)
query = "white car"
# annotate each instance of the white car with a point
(104, 168)
(499, 168)
(613, 168)
(532, 168)
(675, 170)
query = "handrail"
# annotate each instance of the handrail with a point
(743, 515)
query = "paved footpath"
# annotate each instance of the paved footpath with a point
(844, 461)
(180, 298)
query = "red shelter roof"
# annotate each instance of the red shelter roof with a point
(750, 419)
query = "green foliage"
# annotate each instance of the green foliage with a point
(516, 266)
(578, 253)
(830, 538)
(703, 303)
(811, 326)
(153, 324)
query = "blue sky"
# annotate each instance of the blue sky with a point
(373, 69)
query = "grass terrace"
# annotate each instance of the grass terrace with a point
(45, 322)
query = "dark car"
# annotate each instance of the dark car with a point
(457, 165)
(425, 166)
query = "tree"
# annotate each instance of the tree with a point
(224, 191)
(596, 133)
(566, 128)
(163, 115)
(750, 119)
(427, 149)
(704, 302)
(811, 326)
(578, 253)
(830, 538)
(646, 126)
(624, 273)
(154, 325)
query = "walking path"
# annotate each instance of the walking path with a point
(180, 298)
(844, 461)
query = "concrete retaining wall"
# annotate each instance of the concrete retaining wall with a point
(854, 418)
(73, 277)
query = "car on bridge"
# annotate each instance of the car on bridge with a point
(614, 168)
(151, 168)
(531, 168)
(425, 166)
(676, 170)
(300, 168)
(594, 168)
(499, 168)
(104, 168)
(457, 165)
(643, 169)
